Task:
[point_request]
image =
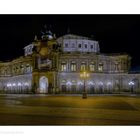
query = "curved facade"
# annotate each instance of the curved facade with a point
(53, 65)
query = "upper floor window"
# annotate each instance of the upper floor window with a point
(22, 68)
(63, 66)
(28, 68)
(79, 45)
(66, 45)
(73, 45)
(83, 66)
(92, 67)
(100, 67)
(73, 66)
(91, 46)
(17, 69)
(116, 66)
(85, 45)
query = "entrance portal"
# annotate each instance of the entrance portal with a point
(43, 85)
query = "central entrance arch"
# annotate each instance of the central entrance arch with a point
(43, 84)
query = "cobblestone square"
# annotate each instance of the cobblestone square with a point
(69, 110)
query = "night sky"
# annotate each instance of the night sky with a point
(115, 33)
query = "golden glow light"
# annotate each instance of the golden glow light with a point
(84, 74)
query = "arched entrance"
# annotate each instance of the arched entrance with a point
(134, 85)
(43, 85)
(91, 87)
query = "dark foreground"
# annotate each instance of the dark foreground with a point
(69, 110)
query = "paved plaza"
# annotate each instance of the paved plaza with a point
(69, 110)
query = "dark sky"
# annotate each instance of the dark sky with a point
(115, 33)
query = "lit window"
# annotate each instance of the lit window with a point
(28, 68)
(66, 45)
(22, 68)
(100, 68)
(83, 66)
(79, 45)
(73, 66)
(63, 67)
(92, 67)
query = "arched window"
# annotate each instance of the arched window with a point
(92, 66)
(63, 85)
(63, 66)
(73, 66)
(83, 66)
(100, 67)
(28, 68)
(22, 68)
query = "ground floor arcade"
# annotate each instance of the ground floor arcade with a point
(70, 83)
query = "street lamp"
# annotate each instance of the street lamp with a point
(84, 75)
(131, 84)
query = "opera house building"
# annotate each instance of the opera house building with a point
(67, 64)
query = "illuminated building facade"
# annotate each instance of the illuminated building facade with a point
(53, 65)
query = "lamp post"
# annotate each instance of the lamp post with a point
(131, 84)
(84, 75)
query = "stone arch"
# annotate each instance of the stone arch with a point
(91, 87)
(43, 84)
(63, 85)
(136, 84)
(109, 87)
(100, 87)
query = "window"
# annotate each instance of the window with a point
(116, 66)
(28, 68)
(63, 66)
(100, 68)
(79, 45)
(91, 46)
(73, 66)
(92, 67)
(83, 66)
(85, 45)
(66, 45)
(73, 45)
(22, 68)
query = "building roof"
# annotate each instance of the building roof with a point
(72, 36)
(114, 54)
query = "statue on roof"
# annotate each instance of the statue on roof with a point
(35, 38)
(46, 34)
